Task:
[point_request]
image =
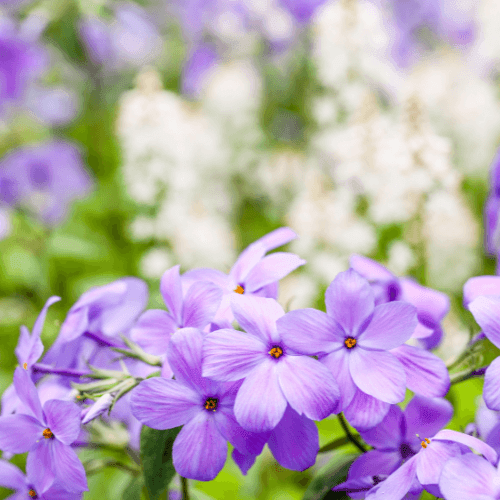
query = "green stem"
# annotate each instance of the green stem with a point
(350, 436)
(460, 377)
(336, 443)
(184, 486)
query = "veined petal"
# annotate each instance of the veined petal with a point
(260, 403)
(378, 374)
(310, 331)
(491, 389)
(397, 484)
(388, 434)
(391, 325)
(57, 492)
(171, 290)
(39, 466)
(365, 411)
(28, 393)
(164, 404)
(152, 331)
(257, 315)
(63, 419)
(272, 268)
(308, 386)
(19, 433)
(480, 285)
(485, 310)
(370, 269)
(426, 374)
(436, 304)
(184, 355)
(205, 274)
(199, 451)
(467, 477)
(67, 467)
(200, 304)
(430, 461)
(244, 462)
(230, 355)
(338, 363)
(294, 442)
(374, 463)
(349, 300)
(75, 324)
(11, 476)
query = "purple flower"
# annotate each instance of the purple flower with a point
(491, 210)
(302, 10)
(198, 65)
(203, 407)
(427, 464)
(469, 477)
(480, 285)
(47, 434)
(352, 339)
(487, 426)
(274, 375)
(28, 487)
(44, 178)
(254, 273)
(95, 34)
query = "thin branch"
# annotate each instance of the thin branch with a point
(184, 486)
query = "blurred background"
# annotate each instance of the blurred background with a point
(136, 136)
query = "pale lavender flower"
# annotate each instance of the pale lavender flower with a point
(480, 285)
(196, 69)
(301, 10)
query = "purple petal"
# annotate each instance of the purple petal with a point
(276, 238)
(308, 386)
(294, 442)
(272, 268)
(152, 331)
(430, 461)
(200, 304)
(37, 327)
(397, 484)
(11, 476)
(199, 450)
(491, 389)
(63, 419)
(349, 301)
(467, 477)
(426, 374)
(171, 290)
(67, 467)
(57, 492)
(164, 404)
(231, 355)
(257, 315)
(391, 324)
(244, 462)
(426, 416)
(75, 324)
(378, 374)
(27, 393)
(338, 363)
(260, 403)
(435, 304)
(310, 331)
(19, 433)
(388, 434)
(485, 311)
(39, 466)
(365, 412)
(421, 332)
(480, 285)
(374, 463)
(370, 269)
(205, 274)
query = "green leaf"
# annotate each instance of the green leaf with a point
(156, 459)
(134, 489)
(333, 473)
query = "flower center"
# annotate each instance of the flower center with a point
(276, 352)
(425, 442)
(211, 404)
(376, 480)
(32, 493)
(25, 366)
(350, 342)
(47, 433)
(239, 289)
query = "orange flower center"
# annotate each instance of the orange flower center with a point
(211, 404)
(47, 433)
(350, 342)
(276, 352)
(425, 442)
(239, 289)
(25, 366)
(32, 493)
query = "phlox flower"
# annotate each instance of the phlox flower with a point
(273, 374)
(203, 407)
(46, 433)
(352, 340)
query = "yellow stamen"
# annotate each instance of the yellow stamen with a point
(211, 404)
(32, 493)
(425, 442)
(350, 342)
(47, 433)
(239, 289)
(25, 366)
(276, 352)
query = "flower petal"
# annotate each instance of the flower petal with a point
(171, 291)
(467, 477)
(63, 419)
(389, 434)
(67, 467)
(430, 461)
(244, 462)
(391, 325)
(365, 412)
(308, 386)
(378, 374)
(349, 300)
(11, 476)
(152, 331)
(200, 304)
(19, 433)
(436, 304)
(37, 327)
(272, 268)
(426, 374)
(28, 393)
(485, 311)
(370, 269)
(480, 285)
(338, 363)
(294, 442)
(375, 462)
(39, 466)
(199, 451)
(164, 404)
(260, 403)
(310, 331)
(231, 355)
(75, 324)
(205, 274)
(257, 315)
(491, 389)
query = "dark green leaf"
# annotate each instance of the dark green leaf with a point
(134, 489)
(156, 460)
